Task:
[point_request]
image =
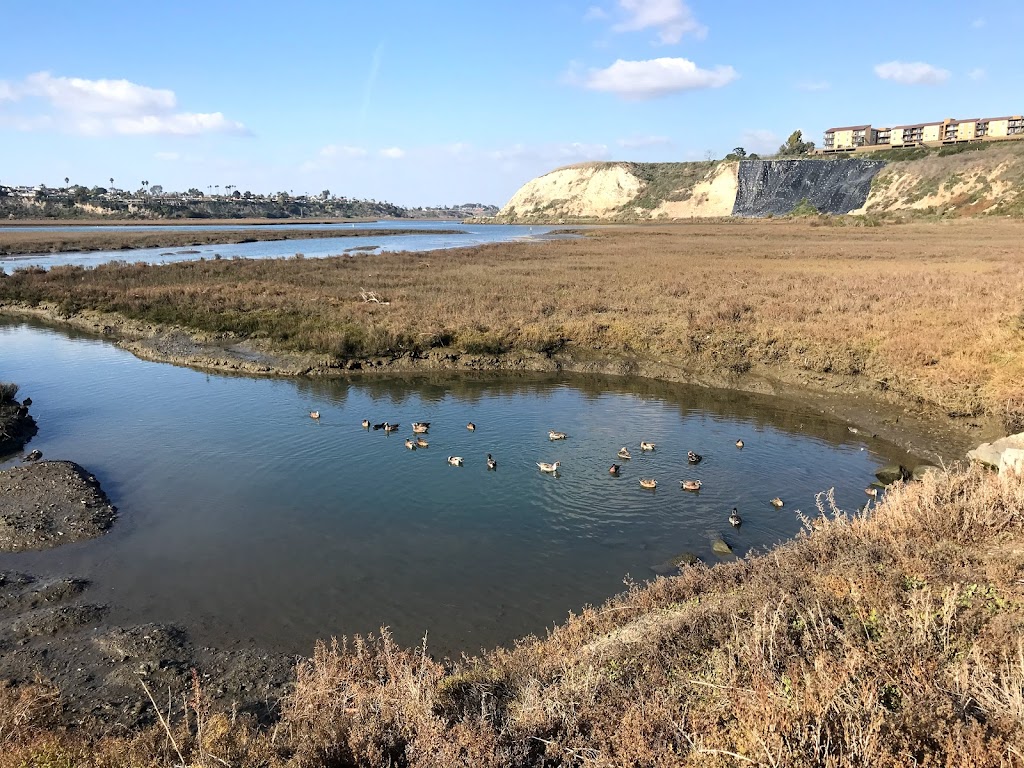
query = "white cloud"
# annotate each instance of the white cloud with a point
(977, 74)
(760, 140)
(656, 77)
(635, 142)
(671, 18)
(393, 153)
(111, 97)
(120, 107)
(814, 86)
(336, 150)
(912, 73)
(180, 124)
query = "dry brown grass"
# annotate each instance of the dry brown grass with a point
(927, 313)
(886, 639)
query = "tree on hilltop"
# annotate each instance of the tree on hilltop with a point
(795, 145)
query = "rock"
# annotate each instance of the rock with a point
(720, 547)
(32, 456)
(891, 473)
(1011, 462)
(921, 471)
(991, 453)
(672, 566)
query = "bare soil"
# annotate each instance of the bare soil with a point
(49, 503)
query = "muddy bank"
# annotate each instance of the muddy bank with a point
(859, 401)
(25, 242)
(49, 503)
(50, 628)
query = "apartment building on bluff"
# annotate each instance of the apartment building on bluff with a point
(866, 138)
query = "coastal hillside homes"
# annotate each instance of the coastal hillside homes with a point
(865, 138)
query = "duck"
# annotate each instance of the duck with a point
(694, 458)
(410, 444)
(455, 461)
(624, 453)
(421, 443)
(471, 427)
(614, 469)
(691, 485)
(552, 435)
(734, 519)
(776, 502)
(872, 492)
(419, 427)
(545, 467)
(315, 415)
(649, 483)
(380, 426)
(32, 456)
(491, 463)
(391, 427)
(366, 423)
(739, 443)
(647, 446)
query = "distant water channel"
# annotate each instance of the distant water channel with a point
(423, 236)
(247, 522)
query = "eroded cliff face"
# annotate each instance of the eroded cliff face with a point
(967, 180)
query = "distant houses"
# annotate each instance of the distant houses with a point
(865, 138)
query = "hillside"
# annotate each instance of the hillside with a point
(958, 180)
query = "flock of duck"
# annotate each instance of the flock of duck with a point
(420, 428)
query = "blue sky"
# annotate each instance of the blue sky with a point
(421, 103)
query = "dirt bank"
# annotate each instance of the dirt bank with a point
(16, 427)
(50, 629)
(49, 503)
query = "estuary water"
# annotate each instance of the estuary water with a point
(247, 522)
(423, 236)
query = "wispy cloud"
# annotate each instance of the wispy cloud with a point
(912, 73)
(120, 107)
(814, 86)
(760, 140)
(595, 13)
(978, 23)
(637, 142)
(371, 81)
(393, 153)
(977, 74)
(671, 19)
(654, 77)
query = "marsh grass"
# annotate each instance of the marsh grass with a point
(922, 313)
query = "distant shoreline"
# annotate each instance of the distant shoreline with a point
(15, 242)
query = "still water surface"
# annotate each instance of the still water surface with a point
(423, 236)
(246, 521)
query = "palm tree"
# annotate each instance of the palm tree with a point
(67, 181)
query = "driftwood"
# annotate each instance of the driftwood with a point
(371, 296)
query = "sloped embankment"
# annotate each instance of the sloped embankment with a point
(776, 187)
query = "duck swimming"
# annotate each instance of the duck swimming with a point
(734, 519)
(410, 444)
(647, 446)
(471, 427)
(776, 502)
(739, 443)
(455, 461)
(366, 423)
(872, 492)
(391, 427)
(694, 458)
(614, 469)
(421, 443)
(624, 453)
(545, 467)
(648, 483)
(691, 485)
(552, 435)
(314, 415)
(491, 463)
(419, 427)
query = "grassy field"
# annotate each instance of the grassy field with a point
(887, 639)
(925, 314)
(20, 241)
